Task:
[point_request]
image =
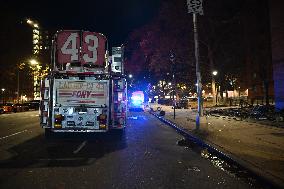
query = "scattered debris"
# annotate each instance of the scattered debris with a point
(196, 169)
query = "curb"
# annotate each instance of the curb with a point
(261, 179)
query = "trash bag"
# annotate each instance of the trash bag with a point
(162, 113)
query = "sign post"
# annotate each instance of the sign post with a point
(195, 7)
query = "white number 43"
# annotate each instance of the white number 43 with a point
(70, 47)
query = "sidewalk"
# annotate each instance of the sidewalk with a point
(256, 146)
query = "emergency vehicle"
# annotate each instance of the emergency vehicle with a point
(83, 92)
(137, 101)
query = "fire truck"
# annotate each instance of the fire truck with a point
(85, 90)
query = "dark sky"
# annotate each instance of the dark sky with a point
(115, 19)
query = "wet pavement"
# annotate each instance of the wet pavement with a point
(255, 146)
(149, 155)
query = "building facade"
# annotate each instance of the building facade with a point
(277, 47)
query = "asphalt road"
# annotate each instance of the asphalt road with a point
(147, 156)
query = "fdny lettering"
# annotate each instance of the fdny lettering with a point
(81, 94)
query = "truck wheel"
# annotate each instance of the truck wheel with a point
(48, 133)
(119, 133)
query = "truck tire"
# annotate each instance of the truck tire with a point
(48, 133)
(119, 133)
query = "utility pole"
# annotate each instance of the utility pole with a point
(195, 7)
(172, 59)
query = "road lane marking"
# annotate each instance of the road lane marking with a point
(80, 147)
(13, 134)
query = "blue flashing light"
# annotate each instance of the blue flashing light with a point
(136, 102)
(135, 98)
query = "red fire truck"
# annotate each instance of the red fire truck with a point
(82, 93)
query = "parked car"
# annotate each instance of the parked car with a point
(166, 102)
(182, 104)
(20, 107)
(208, 99)
(34, 104)
(192, 99)
(8, 107)
(1, 110)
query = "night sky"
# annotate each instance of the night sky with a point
(115, 19)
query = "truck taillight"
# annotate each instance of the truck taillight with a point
(102, 126)
(102, 118)
(58, 118)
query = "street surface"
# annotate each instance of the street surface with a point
(147, 156)
(254, 145)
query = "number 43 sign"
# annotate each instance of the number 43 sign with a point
(84, 47)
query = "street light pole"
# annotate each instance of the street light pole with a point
(3, 97)
(214, 92)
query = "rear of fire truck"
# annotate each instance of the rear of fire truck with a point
(81, 93)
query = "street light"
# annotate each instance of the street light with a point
(33, 62)
(214, 92)
(3, 94)
(131, 80)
